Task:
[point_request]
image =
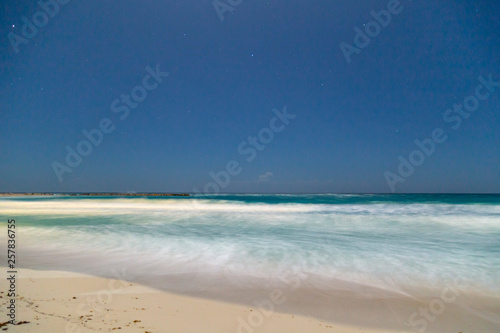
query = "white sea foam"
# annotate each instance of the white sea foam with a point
(388, 245)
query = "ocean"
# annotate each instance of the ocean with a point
(237, 247)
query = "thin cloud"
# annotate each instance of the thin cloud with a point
(268, 176)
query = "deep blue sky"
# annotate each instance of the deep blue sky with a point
(352, 120)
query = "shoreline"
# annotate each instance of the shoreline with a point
(358, 267)
(58, 301)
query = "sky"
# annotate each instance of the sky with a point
(260, 97)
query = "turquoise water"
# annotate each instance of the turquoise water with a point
(394, 242)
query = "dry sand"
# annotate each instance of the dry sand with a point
(57, 302)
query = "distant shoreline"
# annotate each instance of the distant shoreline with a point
(99, 194)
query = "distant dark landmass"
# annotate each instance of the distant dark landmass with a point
(100, 194)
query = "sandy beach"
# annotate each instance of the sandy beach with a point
(55, 301)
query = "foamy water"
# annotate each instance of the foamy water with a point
(339, 256)
(382, 241)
